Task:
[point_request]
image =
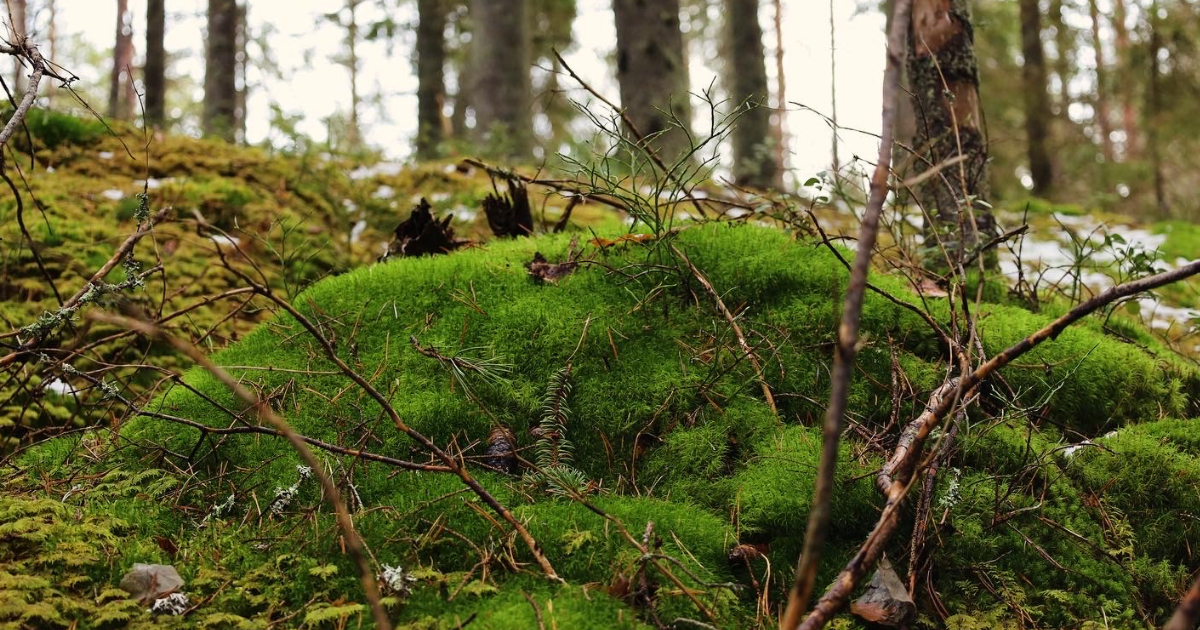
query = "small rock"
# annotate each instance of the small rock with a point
(886, 601)
(149, 582)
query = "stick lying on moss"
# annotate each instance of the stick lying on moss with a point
(354, 543)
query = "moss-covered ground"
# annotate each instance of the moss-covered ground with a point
(668, 426)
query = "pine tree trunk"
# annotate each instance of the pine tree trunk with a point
(1102, 116)
(501, 60)
(1037, 100)
(1153, 109)
(52, 40)
(220, 70)
(21, 29)
(746, 78)
(652, 73)
(431, 86)
(1127, 79)
(241, 85)
(1064, 59)
(906, 119)
(353, 134)
(780, 125)
(155, 70)
(945, 84)
(118, 107)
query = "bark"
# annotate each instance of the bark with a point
(1153, 111)
(1128, 83)
(120, 104)
(154, 72)
(220, 70)
(431, 87)
(944, 78)
(500, 60)
(243, 64)
(1101, 109)
(906, 118)
(353, 133)
(1064, 57)
(1037, 100)
(833, 85)
(746, 80)
(20, 27)
(653, 75)
(780, 128)
(52, 40)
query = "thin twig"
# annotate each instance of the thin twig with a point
(747, 351)
(843, 357)
(354, 544)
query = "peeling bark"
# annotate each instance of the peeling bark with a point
(944, 78)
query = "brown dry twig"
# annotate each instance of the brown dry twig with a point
(449, 461)
(354, 544)
(747, 351)
(843, 357)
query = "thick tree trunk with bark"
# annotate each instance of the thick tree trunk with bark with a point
(1037, 100)
(120, 86)
(155, 71)
(652, 73)
(501, 58)
(1101, 110)
(944, 78)
(220, 70)
(431, 86)
(746, 80)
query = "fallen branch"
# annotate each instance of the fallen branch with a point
(901, 469)
(843, 357)
(354, 543)
(737, 330)
(449, 461)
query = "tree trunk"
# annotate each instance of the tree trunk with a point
(241, 86)
(1127, 80)
(501, 58)
(431, 86)
(52, 40)
(945, 84)
(122, 60)
(353, 133)
(155, 70)
(20, 24)
(220, 70)
(1101, 110)
(1037, 101)
(906, 118)
(746, 80)
(833, 86)
(1153, 110)
(780, 128)
(1064, 59)
(653, 75)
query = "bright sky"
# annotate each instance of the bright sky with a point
(316, 86)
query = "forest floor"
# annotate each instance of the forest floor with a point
(610, 409)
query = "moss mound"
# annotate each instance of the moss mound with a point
(667, 427)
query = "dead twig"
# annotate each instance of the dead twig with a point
(747, 351)
(354, 544)
(843, 357)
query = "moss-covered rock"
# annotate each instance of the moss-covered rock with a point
(666, 422)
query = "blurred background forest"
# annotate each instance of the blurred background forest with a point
(1086, 102)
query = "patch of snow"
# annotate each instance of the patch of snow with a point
(60, 387)
(350, 206)
(439, 197)
(384, 192)
(449, 168)
(464, 214)
(49, 169)
(225, 241)
(113, 194)
(357, 231)
(1163, 317)
(106, 155)
(152, 183)
(375, 170)
(737, 213)
(1070, 451)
